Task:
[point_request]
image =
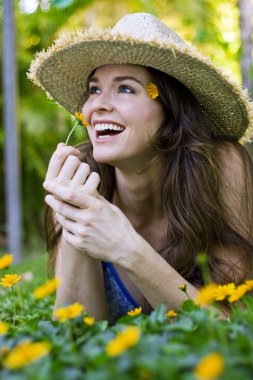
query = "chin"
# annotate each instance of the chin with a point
(102, 159)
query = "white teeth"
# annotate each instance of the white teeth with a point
(112, 127)
(103, 137)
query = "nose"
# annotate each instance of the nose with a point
(102, 102)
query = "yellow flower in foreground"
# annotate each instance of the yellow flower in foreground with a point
(4, 351)
(206, 295)
(89, 321)
(3, 328)
(144, 374)
(48, 288)
(123, 340)
(171, 314)
(152, 90)
(79, 116)
(69, 312)
(210, 367)
(222, 291)
(249, 284)
(9, 280)
(26, 353)
(135, 312)
(183, 287)
(6, 260)
(238, 293)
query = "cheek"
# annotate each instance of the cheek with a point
(86, 111)
(154, 116)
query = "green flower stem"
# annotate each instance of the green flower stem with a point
(71, 334)
(14, 306)
(70, 133)
(20, 297)
(187, 295)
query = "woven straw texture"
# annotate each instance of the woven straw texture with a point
(142, 39)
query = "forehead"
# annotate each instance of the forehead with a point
(140, 72)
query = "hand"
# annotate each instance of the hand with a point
(65, 168)
(93, 225)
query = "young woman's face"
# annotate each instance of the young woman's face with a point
(121, 115)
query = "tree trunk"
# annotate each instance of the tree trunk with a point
(246, 29)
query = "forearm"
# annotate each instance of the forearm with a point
(81, 280)
(155, 278)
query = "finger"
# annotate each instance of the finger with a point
(58, 158)
(80, 175)
(69, 168)
(72, 196)
(90, 186)
(61, 208)
(66, 223)
(72, 239)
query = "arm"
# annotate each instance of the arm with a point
(81, 280)
(102, 230)
(81, 276)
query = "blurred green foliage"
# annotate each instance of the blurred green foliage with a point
(211, 25)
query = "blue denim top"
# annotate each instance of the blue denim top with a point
(119, 300)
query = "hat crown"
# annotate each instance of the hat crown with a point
(146, 27)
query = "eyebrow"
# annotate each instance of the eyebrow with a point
(118, 79)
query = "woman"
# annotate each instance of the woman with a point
(162, 179)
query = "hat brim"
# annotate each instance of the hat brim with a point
(63, 73)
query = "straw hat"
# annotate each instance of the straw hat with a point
(142, 39)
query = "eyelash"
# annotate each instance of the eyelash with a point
(93, 90)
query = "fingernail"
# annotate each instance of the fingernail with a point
(61, 144)
(47, 197)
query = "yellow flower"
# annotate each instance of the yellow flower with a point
(210, 367)
(26, 353)
(206, 295)
(48, 288)
(222, 291)
(249, 284)
(171, 314)
(144, 374)
(69, 312)
(135, 312)
(183, 287)
(6, 260)
(79, 116)
(123, 340)
(152, 90)
(4, 351)
(89, 320)
(9, 280)
(238, 293)
(3, 328)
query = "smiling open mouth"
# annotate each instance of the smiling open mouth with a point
(104, 131)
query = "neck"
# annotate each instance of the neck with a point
(138, 193)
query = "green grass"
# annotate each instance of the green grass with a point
(168, 349)
(37, 265)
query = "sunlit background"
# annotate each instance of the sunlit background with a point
(211, 25)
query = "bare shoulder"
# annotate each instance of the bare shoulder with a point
(233, 158)
(236, 187)
(236, 169)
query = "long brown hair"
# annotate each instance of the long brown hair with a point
(197, 219)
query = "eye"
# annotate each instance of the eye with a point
(126, 89)
(94, 90)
